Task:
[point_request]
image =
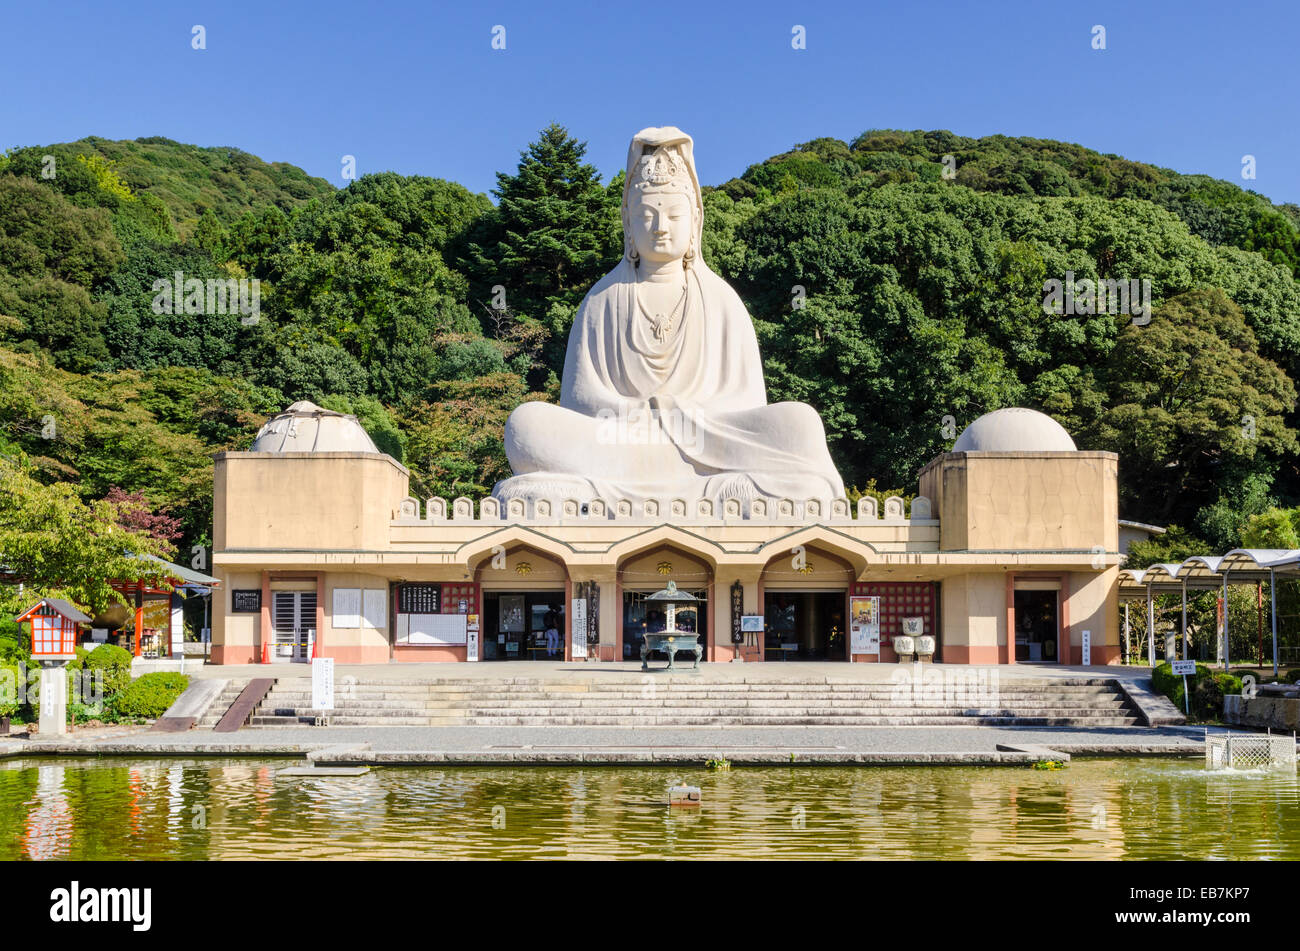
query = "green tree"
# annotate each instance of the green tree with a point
(362, 291)
(58, 545)
(1275, 528)
(1186, 395)
(555, 231)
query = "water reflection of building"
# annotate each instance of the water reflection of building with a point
(48, 831)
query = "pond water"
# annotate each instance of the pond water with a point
(240, 809)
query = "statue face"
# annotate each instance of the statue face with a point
(660, 225)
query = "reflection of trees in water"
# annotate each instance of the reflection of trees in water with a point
(17, 787)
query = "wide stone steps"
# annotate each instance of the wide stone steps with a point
(633, 722)
(489, 706)
(475, 702)
(739, 709)
(382, 716)
(632, 695)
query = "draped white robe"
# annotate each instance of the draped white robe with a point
(685, 417)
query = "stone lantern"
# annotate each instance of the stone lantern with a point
(55, 625)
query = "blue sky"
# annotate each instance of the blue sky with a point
(416, 86)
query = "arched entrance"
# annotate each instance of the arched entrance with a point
(805, 594)
(649, 571)
(525, 592)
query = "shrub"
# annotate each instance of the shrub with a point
(150, 696)
(10, 689)
(11, 642)
(80, 713)
(1208, 689)
(1228, 684)
(115, 664)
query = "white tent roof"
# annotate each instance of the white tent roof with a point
(1199, 572)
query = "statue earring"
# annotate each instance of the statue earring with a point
(689, 258)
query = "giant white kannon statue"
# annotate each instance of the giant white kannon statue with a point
(662, 395)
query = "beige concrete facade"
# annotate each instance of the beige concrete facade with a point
(984, 525)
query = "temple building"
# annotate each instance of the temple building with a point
(664, 461)
(1008, 553)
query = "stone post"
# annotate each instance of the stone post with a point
(54, 699)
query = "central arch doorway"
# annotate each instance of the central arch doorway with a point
(650, 571)
(524, 598)
(1036, 621)
(804, 625)
(805, 606)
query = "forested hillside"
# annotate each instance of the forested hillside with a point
(896, 283)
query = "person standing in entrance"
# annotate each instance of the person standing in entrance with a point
(552, 635)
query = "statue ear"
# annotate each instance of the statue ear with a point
(629, 246)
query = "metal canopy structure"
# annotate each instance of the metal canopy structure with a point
(1203, 573)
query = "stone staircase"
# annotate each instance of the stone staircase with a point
(217, 709)
(1095, 702)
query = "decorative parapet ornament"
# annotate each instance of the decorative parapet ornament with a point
(561, 511)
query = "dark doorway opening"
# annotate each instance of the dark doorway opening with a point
(804, 625)
(523, 625)
(1036, 627)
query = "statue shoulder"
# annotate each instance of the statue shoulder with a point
(606, 288)
(718, 288)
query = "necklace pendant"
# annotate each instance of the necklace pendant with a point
(663, 326)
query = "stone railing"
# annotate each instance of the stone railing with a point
(659, 511)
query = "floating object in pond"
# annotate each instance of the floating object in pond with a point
(323, 771)
(683, 795)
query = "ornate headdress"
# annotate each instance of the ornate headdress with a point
(661, 168)
(662, 159)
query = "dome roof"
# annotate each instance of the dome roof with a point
(305, 427)
(1014, 430)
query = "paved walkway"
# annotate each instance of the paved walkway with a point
(972, 745)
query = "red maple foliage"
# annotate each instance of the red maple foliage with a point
(134, 514)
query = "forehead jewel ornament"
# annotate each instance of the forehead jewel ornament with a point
(661, 168)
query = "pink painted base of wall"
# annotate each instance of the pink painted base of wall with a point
(424, 655)
(233, 654)
(1101, 654)
(963, 654)
(356, 654)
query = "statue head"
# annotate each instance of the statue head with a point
(663, 213)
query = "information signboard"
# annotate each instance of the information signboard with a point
(246, 601)
(322, 683)
(421, 598)
(579, 639)
(864, 625)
